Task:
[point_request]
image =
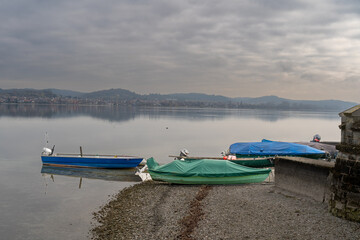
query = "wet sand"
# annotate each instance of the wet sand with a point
(155, 210)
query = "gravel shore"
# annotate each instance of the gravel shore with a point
(154, 210)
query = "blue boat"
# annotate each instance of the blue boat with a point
(89, 160)
(267, 148)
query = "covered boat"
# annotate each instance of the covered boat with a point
(273, 148)
(328, 147)
(205, 171)
(255, 162)
(259, 162)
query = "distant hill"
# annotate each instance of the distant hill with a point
(126, 97)
(113, 94)
(261, 100)
(65, 93)
(26, 92)
(188, 97)
(297, 104)
(327, 104)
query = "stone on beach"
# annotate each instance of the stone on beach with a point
(154, 210)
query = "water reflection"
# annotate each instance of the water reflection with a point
(122, 175)
(119, 114)
(64, 111)
(64, 212)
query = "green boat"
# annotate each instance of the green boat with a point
(260, 162)
(205, 171)
(256, 162)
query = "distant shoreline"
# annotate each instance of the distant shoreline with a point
(122, 97)
(170, 107)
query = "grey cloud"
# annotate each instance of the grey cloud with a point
(214, 47)
(352, 79)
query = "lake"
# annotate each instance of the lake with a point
(41, 203)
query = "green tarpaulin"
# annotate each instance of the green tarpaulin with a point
(203, 168)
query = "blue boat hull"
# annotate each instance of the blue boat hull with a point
(92, 162)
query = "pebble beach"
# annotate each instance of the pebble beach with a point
(155, 210)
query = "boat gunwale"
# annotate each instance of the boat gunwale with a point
(220, 158)
(83, 166)
(212, 175)
(105, 156)
(210, 180)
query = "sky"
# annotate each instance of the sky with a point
(299, 49)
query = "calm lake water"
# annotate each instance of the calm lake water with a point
(37, 203)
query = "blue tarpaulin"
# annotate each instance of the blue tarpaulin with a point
(273, 148)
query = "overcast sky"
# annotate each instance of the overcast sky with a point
(299, 49)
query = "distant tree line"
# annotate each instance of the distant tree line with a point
(121, 97)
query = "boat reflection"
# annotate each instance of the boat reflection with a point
(122, 175)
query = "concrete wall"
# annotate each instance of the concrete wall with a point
(304, 176)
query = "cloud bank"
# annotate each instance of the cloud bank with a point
(293, 49)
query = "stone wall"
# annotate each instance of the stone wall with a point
(350, 127)
(304, 176)
(345, 186)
